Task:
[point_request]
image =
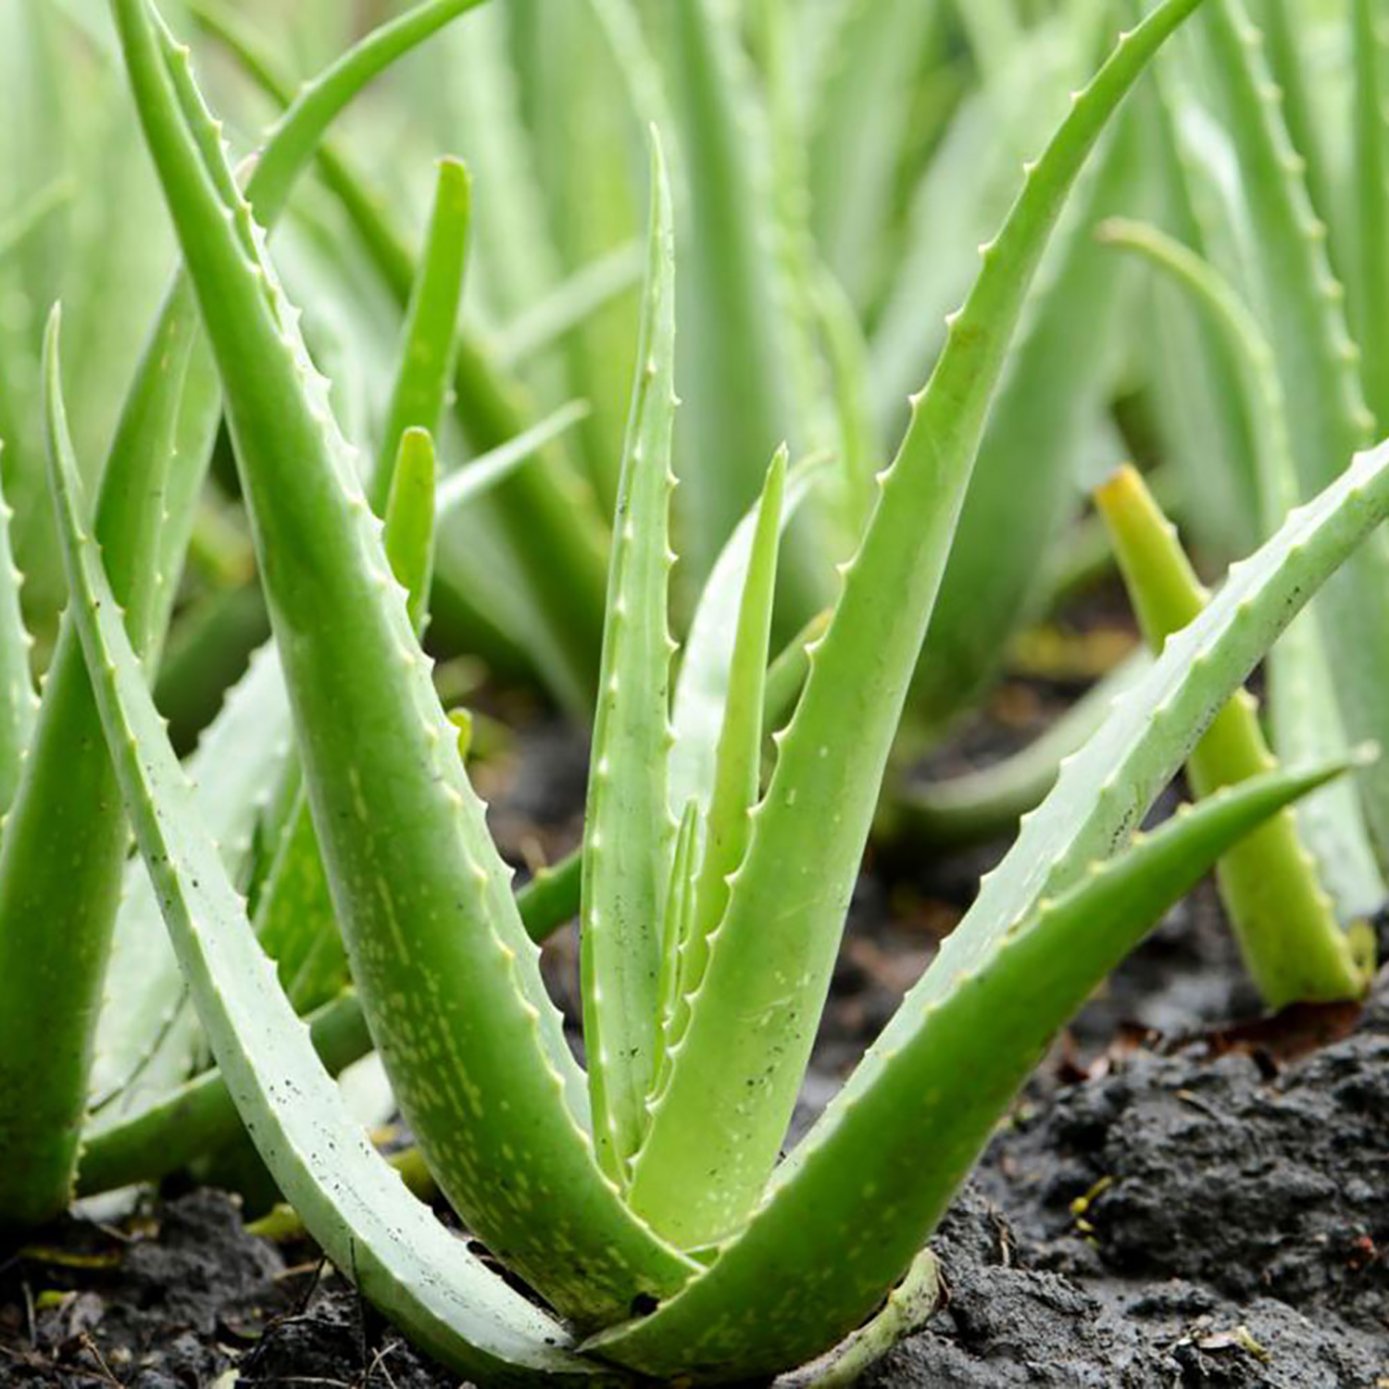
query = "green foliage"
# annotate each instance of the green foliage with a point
(320, 878)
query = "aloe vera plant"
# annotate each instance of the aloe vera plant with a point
(642, 1199)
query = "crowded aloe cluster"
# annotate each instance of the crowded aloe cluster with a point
(697, 265)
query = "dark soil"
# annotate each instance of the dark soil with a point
(1174, 1202)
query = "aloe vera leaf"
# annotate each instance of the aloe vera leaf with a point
(960, 199)
(67, 795)
(1304, 716)
(410, 509)
(548, 517)
(431, 319)
(569, 305)
(737, 782)
(402, 831)
(465, 484)
(853, 1205)
(1056, 385)
(1371, 195)
(1282, 917)
(706, 665)
(733, 1085)
(198, 1116)
(141, 1047)
(976, 807)
(351, 1200)
(1303, 311)
(18, 702)
(628, 828)
(119, 1142)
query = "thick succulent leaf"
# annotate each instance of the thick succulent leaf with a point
(67, 797)
(431, 324)
(854, 1204)
(628, 829)
(1283, 919)
(736, 1074)
(1198, 406)
(195, 1117)
(402, 831)
(1317, 363)
(147, 1038)
(706, 659)
(18, 702)
(354, 1204)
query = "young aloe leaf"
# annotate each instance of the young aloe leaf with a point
(1292, 944)
(431, 325)
(1305, 718)
(735, 1076)
(18, 702)
(421, 893)
(351, 1200)
(628, 828)
(410, 512)
(1318, 368)
(706, 664)
(737, 780)
(1371, 194)
(854, 1204)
